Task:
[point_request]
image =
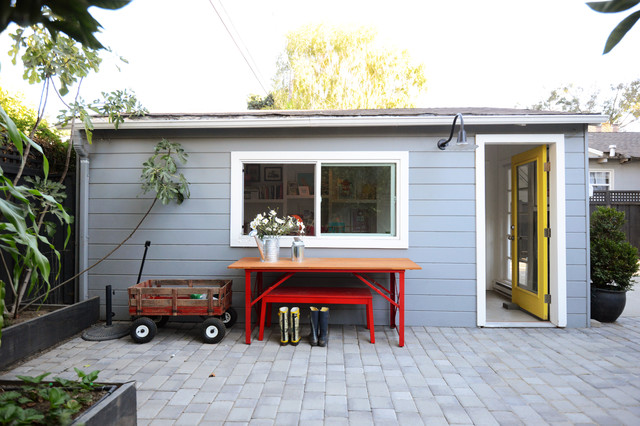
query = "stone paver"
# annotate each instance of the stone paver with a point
(442, 376)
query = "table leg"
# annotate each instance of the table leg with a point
(392, 308)
(247, 306)
(401, 307)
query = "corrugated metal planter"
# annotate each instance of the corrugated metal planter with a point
(28, 338)
(117, 408)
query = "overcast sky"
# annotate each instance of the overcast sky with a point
(495, 53)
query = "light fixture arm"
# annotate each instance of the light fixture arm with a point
(462, 135)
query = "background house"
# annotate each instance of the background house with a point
(614, 165)
(375, 185)
(614, 161)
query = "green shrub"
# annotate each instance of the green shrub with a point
(614, 260)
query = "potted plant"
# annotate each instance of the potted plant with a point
(614, 261)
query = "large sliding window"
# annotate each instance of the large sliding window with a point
(346, 199)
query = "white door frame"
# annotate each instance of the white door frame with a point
(557, 222)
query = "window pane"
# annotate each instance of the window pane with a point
(358, 198)
(600, 181)
(285, 188)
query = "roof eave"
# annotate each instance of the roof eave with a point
(293, 122)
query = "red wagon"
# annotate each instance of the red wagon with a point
(153, 302)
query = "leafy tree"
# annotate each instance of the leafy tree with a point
(614, 6)
(258, 102)
(70, 17)
(58, 63)
(326, 67)
(621, 105)
(25, 119)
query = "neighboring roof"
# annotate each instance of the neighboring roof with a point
(627, 143)
(353, 118)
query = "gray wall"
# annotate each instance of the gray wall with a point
(578, 308)
(626, 177)
(192, 240)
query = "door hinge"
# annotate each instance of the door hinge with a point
(547, 166)
(547, 232)
(547, 298)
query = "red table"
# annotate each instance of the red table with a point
(359, 267)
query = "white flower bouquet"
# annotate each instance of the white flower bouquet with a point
(269, 224)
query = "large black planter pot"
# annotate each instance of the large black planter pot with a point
(37, 334)
(607, 305)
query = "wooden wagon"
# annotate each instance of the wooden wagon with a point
(153, 302)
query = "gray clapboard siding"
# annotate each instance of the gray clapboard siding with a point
(134, 190)
(444, 207)
(577, 220)
(440, 223)
(192, 240)
(455, 176)
(576, 256)
(442, 239)
(441, 192)
(575, 176)
(450, 287)
(153, 221)
(140, 206)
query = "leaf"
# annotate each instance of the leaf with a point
(619, 32)
(14, 133)
(612, 6)
(45, 162)
(33, 380)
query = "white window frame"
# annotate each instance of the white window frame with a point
(610, 171)
(399, 158)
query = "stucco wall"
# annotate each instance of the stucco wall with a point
(192, 240)
(626, 177)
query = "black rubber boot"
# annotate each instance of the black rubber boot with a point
(313, 319)
(323, 326)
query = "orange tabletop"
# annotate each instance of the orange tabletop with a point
(328, 263)
(356, 266)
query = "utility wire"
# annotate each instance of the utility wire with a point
(251, 67)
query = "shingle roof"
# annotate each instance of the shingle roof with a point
(417, 112)
(351, 118)
(625, 142)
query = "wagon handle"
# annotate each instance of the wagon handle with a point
(144, 256)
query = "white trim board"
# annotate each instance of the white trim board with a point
(557, 246)
(400, 158)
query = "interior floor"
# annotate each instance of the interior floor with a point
(496, 313)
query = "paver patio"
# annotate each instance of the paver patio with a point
(442, 376)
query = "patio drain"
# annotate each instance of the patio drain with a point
(106, 332)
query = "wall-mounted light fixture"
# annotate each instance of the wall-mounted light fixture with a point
(462, 135)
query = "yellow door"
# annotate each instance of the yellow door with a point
(530, 282)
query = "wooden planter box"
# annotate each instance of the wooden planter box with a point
(28, 338)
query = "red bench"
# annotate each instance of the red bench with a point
(318, 295)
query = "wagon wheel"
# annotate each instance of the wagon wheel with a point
(229, 317)
(213, 330)
(160, 320)
(143, 330)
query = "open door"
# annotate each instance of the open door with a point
(529, 232)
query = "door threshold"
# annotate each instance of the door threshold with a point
(520, 324)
